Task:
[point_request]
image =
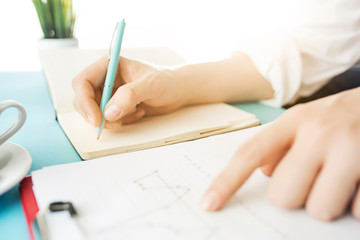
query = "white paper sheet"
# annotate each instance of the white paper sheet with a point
(155, 194)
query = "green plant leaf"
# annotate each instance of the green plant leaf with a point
(56, 17)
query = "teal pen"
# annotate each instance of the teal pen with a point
(111, 71)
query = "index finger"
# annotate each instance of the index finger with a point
(86, 85)
(265, 147)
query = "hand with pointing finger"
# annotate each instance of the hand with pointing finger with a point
(312, 153)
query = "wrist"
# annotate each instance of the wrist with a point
(174, 92)
(184, 85)
(196, 84)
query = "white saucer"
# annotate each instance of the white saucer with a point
(15, 163)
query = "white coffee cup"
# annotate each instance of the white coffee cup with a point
(19, 121)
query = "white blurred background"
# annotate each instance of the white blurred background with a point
(199, 30)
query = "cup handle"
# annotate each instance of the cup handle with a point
(19, 121)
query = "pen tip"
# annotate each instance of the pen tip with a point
(98, 138)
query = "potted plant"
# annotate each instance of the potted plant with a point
(57, 21)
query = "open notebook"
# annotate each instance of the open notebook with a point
(62, 65)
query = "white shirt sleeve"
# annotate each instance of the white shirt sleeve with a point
(299, 61)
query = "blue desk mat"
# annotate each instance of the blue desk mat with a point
(42, 136)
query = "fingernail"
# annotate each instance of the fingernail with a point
(90, 120)
(210, 201)
(113, 125)
(112, 112)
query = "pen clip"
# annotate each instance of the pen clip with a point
(112, 41)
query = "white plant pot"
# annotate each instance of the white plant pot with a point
(51, 43)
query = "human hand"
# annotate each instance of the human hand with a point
(139, 90)
(312, 153)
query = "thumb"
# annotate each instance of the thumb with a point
(125, 100)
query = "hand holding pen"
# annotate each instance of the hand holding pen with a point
(137, 90)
